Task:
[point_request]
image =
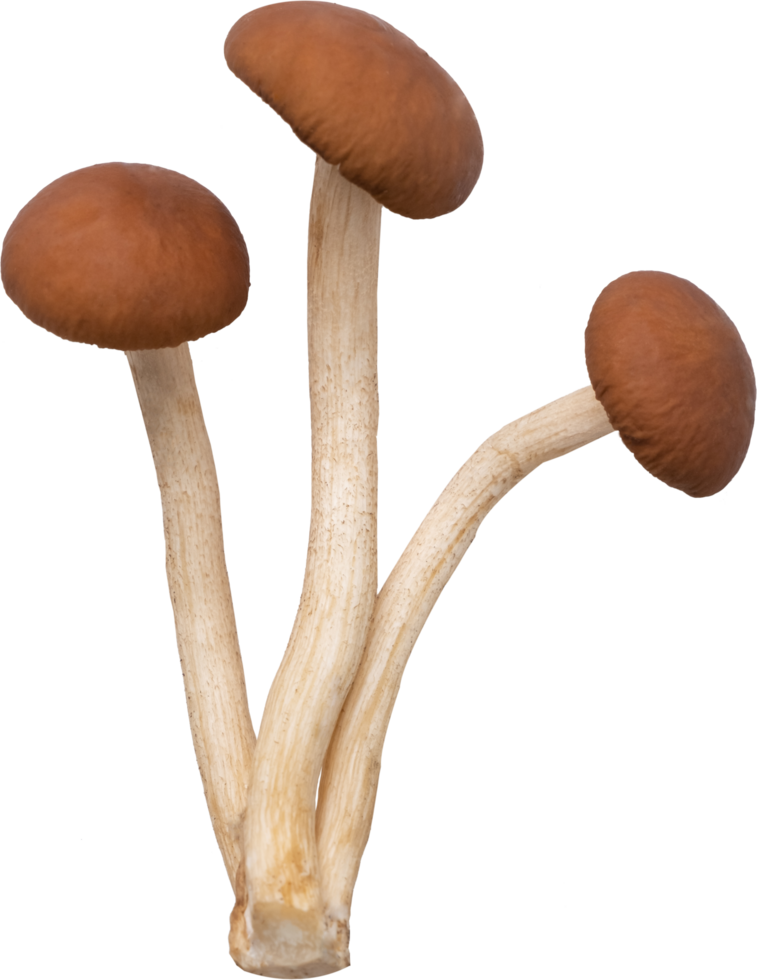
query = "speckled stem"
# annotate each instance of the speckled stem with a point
(351, 772)
(206, 630)
(279, 927)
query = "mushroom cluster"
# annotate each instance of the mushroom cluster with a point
(144, 260)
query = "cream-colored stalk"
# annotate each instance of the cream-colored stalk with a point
(351, 772)
(198, 582)
(279, 926)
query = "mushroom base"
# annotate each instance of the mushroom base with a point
(272, 941)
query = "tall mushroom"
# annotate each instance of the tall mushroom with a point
(672, 373)
(390, 128)
(142, 259)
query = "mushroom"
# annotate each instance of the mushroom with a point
(390, 128)
(142, 259)
(674, 377)
(676, 381)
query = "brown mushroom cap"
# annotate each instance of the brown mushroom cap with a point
(128, 256)
(365, 98)
(674, 377)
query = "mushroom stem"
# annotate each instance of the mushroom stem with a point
(278, 927)
(199, 585)
(351, 771)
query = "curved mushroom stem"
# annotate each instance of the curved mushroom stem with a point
(278, 927)
(199, 585)
(351, 771)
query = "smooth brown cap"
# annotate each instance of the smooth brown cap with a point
(365, 98)
(674, 377)
(128, 256)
